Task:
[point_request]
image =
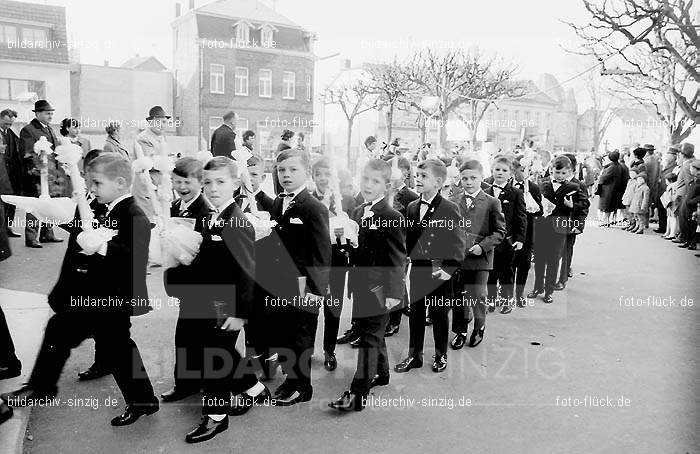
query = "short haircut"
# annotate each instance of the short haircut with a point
(228, 115)
(503, 159)
(380, 165)
(222, 162)
(112, 127)
(254, 161)
(472, 164)
(435, 167)
(248, 134)
(8, 113)
(112, 165)
(370, 140)
(321, 163)
(92, 154)
(672, 177)
(561, 162)
(188, 167)
(287, 134)
(293, 153)
(614, 156)
(572, 158)
(403, 163)
(639, 153)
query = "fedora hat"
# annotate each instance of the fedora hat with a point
(42, 105)
(648, 146)
(157, 112)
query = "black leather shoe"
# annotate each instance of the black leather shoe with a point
(439, 363)
(269, 369)
(245, 402)
(693, 247)
(535, 293)
(347, 337)
(491, 307)
(292, 396)
(570, 274)
(24, 396)
(428, 321)
(93, 373)
(176, 394)
(348, 401)
(458, 341)
(684, 245)
(407, 364)
(33, 244)
(548, 298)
(11, 371)
(133, 412)
(507, 308)
(5, 412)
(11, 234)
(355, 343)
(330, 363)
(477, 337)
(379, 380)
(206, 430)
(391, 330)
(559, 286)
(677, 241)
(659, 231)
(520, 301)
(51, 240)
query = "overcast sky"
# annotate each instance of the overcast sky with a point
(527, 32)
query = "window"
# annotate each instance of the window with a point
(288, 82)
(265, 83)
(266, 37)
(537, 119)
(214, 122)
(308, 87)
(216, 78)
(16, 89)
(241, 76)
(37, 35)
(241, 127)
(242, 34)
(8, 33)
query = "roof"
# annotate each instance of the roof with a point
(533, 93)
(246, 9)
(138, 62)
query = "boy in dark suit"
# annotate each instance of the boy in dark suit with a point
(435, 242)
(333, 307)
(376, 282)
(256, 173)
(485, 229)
(560, 199)
(296, 260)
(513, 209)
(216, 290)
(99, 296)
(187, 182)
(576, 228)
(523, 257)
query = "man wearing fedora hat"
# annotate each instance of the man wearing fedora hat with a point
(653, 171)
(59, 184)
(685, 178)
(150, 142)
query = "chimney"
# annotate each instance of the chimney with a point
(191, 4)
(177, 9)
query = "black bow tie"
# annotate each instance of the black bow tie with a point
(284, 194)
(242, 196)
(424, 202)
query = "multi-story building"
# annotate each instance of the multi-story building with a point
(34, 58)
(243, 56)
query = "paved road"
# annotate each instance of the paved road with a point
(536, 384)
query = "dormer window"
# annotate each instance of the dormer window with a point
(267, 37)
(242, 33)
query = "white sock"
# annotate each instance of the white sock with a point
(256, 389)
(217, 418)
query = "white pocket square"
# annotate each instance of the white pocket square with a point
(216, 238)
(295, 221)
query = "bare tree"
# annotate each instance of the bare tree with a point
(633, 30)
(354, 98)
(391, 83)
(602, 110)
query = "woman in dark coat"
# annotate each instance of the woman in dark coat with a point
(611, 186)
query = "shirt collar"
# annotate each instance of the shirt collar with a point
(185, 205)
(114, 202)
(224, 206)
(430, 202)
(472, 195)
(230, 127)
(296, 192)
(400, 188)
(373, 203)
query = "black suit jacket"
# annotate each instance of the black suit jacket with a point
(562, 218)
(263, 201)
(513, 209)
(581, 208)
(537, 196)
(484, 225)
(299, 245)
(222, 272)
(438, 236)
(13, 159)
(402, 198)
(223, 141)
(59, 183)
(380, 258)
(198, 210)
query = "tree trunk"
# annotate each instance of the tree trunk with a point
(677, 134)
(389, 122)
(351, 164)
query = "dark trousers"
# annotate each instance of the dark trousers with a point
(663, 216)
(35, 230)
(396, 312)
(502, 273)
(433, 295)
(372, 358)
(474, 301)
(298, 326)
(684, 219)
(333, 307)
(9, 215)
(224, 371)
(521, 262)
(189, 352)
(567, 256)
(66, 331)
(548, 250)
(8, 358)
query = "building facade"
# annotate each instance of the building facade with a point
(243, 56)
